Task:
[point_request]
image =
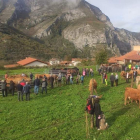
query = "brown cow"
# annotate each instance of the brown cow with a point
(16, 80)
(17, 76)
(138, 87)
(137, 80)
(123, 74)
(133, 94)
(92, 86)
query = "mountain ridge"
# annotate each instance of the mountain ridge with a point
(78, 21)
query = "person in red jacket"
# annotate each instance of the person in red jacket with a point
(23, 82)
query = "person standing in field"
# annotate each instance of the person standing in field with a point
(134, 75)
(71, 79)
(22, 82)
(84, 72)
(31, 76)
(4, 88)
(105, 79)
(87, 71)
(26, 90)
(112, 79)
(77, 79)
(91, 72)
(12, 87)
(19, 91)
(45, 77)
(116, 79)
(44, 85)
(51, 81)
(59, 79)
(127, 77)
(97, 111)
(82, 79)
(104, 76)
(36, 85)
(66, 78)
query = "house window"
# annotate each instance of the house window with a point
(130, 61)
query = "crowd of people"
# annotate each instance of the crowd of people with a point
(23, 87)
(113, 78)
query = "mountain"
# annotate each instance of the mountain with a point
(14, 45)
(64, 23)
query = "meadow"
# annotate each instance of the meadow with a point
(60, 114)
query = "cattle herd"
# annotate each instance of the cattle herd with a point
(54, 73)
(130, 93)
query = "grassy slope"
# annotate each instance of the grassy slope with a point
(60, 115)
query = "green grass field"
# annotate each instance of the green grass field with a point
(60, 114)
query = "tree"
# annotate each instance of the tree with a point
(67, 58)
(101, 57)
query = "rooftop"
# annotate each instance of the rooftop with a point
(133, 55)
(26, 61)
(29, 60)
(112, 60)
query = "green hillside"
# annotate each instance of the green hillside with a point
(60, 114)
(15, 46)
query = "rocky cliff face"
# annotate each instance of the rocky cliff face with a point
(86, 24)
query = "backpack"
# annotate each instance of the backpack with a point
(90, 105)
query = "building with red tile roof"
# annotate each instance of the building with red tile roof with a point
(32, 62)
(11, 66)
(131, 57)
(112, 60)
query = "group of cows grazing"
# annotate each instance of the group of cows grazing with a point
(131, 93)
(123, 75)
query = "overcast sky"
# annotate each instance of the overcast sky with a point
(122, 13)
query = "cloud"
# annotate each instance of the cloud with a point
(122, 13)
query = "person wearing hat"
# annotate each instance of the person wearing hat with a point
(4, 88)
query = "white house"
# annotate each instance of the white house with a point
(76, 61)
(54, 61)
(32, 62)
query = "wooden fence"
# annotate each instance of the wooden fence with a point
(56, 72)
